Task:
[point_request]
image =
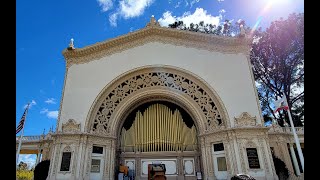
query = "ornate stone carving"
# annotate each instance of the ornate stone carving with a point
(251, 144)
(245, 120)
(158, 78)
(155, 33)
(242, 154)
(153, 22)
(56, 158)
(71, 126)
(263, 152)
(67, 149)
(229, 158)
(89, 153)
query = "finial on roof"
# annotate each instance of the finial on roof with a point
(153, 22)
(241, 24)
(71, 45)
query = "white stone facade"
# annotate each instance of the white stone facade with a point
(215, 77)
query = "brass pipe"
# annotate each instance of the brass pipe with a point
(158, 129)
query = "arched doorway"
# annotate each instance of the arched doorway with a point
(173, 85)
(159, 132)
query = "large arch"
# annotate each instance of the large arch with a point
(177, 84)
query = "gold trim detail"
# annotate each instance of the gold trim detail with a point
(158, 129)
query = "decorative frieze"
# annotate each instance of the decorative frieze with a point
(163, 35)
(245, 120)
(71, 126)
(156, 78)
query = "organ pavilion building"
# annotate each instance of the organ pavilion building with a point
(160, 95)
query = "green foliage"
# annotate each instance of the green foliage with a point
(277, 56)
(41, 170)
(224, 29)
(24, 175)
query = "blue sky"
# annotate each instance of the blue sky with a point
(44, 29)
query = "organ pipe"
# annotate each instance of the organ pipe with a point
(158, 129)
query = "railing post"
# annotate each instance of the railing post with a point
(294, 159)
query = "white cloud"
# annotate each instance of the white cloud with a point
(187, 18)
(127, 9)
(33, 102)
(220, 0)
(44, 110)
(50, 114)
(167, 19)
(222, 11)
(105, 4)
(133, 8)
(113, 19)
(177, 5)
(53, 114)
(193, 2)
(50, 101)
(30, 159)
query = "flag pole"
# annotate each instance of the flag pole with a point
(295, 135)
(21, 135)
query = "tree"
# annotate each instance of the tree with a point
(23, 173)
(277, 56)
(41, 170)
(22, 166)
(224, 29)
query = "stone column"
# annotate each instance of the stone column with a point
(180, 167)
(54, 160)
(209, 156)
(204, 158)
(294, 159)
(81, 157)
(113, 160)
(229, 159)
(38, 156)
(84, 156)
(138, 168)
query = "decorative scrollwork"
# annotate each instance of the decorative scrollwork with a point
(161, 79)
(67, 149)
(245, 120)
(71, 126)
(154, 33)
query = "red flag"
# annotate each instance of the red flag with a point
(281, 104)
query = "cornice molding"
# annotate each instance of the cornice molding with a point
(159, 34)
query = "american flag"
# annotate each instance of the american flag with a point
(23, 118)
